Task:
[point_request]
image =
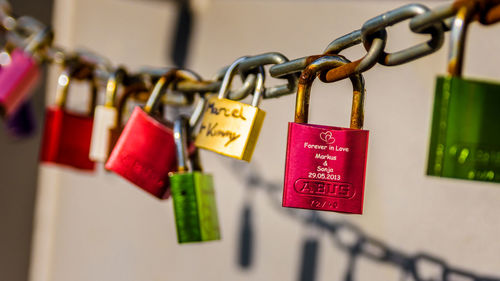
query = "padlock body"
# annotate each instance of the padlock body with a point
(145, 153)
(230, 128)
(17, 80)
(104, 121)
(465, 133)
(66, 139)
(195, 210)
(325, 168)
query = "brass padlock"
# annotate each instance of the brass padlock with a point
(229, 127)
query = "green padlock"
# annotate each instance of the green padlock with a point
(465, 136)
(193, 193)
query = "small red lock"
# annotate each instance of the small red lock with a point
(130, 91)
(325, 165)
(145, 152)
(66, 138)
(21, 74)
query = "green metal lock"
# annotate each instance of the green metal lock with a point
(193, 194)
(465, 136)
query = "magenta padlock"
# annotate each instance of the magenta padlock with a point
(325, 166)
(21, 74)
(145, 153)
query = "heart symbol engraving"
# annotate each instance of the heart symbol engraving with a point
(327, 137)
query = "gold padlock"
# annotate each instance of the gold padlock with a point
(229, 127)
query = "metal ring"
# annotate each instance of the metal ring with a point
(360, 65)
(435, 16)
(350, 39)
(398, 15)
(297, 65)
(254, 62)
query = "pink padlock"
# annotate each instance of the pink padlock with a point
(17, 80)
(21, 74)
(325, 166)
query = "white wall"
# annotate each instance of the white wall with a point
(99, 227)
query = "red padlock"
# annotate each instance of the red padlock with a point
(67, 135)
(21, 73)
(325, 166)
(145, 153)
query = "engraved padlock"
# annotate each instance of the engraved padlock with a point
(67, 135)
(231, 128)
(193, 194)
(105, 118)
(325, 165)
(21, 73)
(465, 132)
(145, 151)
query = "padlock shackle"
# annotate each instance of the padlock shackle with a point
(63, 84)
(458, 35)
(228, 77)
(304, 89)
(181, 142)
(161, 86)
(259, 90)
(231, 71)
(198, 111)
(116, 78)
(128, 92)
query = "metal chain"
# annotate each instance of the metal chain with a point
(372, 34)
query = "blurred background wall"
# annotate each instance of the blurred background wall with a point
(100, 227)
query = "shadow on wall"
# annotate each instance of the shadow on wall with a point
(347, 237)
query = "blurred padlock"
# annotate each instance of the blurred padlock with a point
(139, 92)
(145, 152)
(67, 135)
(325, 166)
(22, 122)
(229, 127)
(193, 194)
(105, 118)
(465, 132)
(20, 75)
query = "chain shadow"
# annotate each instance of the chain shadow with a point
(347, 237)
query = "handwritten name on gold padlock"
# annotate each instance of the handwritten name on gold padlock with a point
(230, 128)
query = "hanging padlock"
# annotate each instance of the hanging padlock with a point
(22, 123)
(140, 93)
(229, 127)
(20, 75)
(105, 118)
(325, 166)
(195, 210)
(465, 132)
(67, 135)
(145, 152)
